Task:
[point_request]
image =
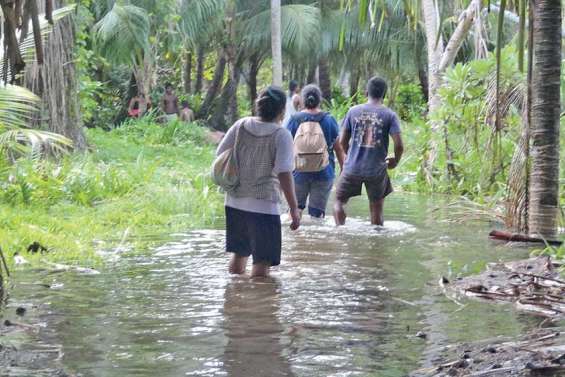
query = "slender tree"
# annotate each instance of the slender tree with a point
(544, 131)
(276, 42)
(441, 56)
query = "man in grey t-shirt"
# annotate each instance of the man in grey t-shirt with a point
(365, 135)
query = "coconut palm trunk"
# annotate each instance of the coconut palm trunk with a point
(325, 78)
(200, 57)
(544, 129)
(214, 87)
(56, 82)
(276, 42)
(254, 65)
(188, 72)
(441, 56)
(435, 49)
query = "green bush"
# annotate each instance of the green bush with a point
(409, 102)
(139, 180)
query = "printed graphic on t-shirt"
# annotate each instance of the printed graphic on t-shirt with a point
(368, 130)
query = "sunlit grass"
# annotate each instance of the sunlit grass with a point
(138, 181)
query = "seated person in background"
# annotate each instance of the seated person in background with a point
(138, 105)
(186, 115)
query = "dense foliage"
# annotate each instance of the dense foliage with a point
(143, 176)
(139, 180)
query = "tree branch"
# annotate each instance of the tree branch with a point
(456, 41)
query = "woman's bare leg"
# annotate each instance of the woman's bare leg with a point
(237, 264)
(260, 270)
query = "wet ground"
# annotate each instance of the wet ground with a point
(356, 301)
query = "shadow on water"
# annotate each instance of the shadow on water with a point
(345, 302)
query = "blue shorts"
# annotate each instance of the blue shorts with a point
(257, 234)
(316, 193)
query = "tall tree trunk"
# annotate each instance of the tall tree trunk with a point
(518, 197)
(354, 81)
(143, 72)
(325, 78)
(187, 72)
(200, 58)
(544, 175)
(13, 54)
(276, 42)
(226, 113)
(435, 50)
(254, 65)
(441, 57)
(422, 74)
(214, 87)
(311, 76)
(56, 82)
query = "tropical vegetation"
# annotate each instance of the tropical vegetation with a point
(477, 83)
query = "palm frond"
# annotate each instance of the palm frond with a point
(300, 28)
(122, 35)
(198, 17)
(17, 105)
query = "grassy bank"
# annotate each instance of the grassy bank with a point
(136, 181)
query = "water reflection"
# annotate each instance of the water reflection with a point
(253, 329)
(350, 304)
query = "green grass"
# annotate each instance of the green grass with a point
(138, 182)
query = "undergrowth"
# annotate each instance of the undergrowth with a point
(136, 182)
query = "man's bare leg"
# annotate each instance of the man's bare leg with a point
(376, 208)
(260, 270)
(339, 213)
(237, 264)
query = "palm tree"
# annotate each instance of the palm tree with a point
(43, 53)
(545, 112)
(276, 44)
(122, 36)
(17, 106)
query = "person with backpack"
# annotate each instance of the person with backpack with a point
(365, 135)
(259, 164)
(315, 136)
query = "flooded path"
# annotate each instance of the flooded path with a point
(345, 302)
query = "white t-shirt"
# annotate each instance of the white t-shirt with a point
(290, 109)
(284, 162)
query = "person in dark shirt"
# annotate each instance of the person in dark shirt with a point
(315, 187)
(365, 135)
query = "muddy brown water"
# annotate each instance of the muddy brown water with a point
(344, 302)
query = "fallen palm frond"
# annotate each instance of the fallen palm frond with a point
(465, 210)
(539, 353)
(533, 285)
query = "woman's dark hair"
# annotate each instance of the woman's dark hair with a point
(184, 104)
(271, 103)
(312, 96)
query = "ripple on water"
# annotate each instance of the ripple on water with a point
(353, 227)
(330, 311)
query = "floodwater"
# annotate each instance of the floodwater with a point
(344, 302)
